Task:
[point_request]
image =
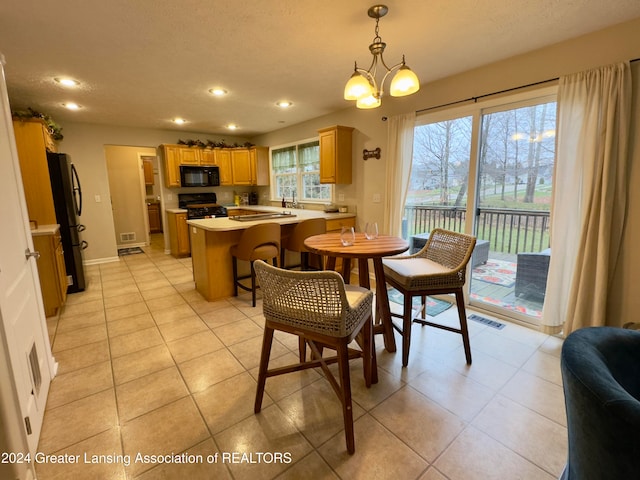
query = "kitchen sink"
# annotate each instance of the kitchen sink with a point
(260, 216)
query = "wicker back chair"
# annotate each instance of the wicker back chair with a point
(323, 312)
(440, 267)
(295, 241)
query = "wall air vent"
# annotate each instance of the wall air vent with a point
(128, 237)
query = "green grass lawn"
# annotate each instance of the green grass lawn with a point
(489, 199)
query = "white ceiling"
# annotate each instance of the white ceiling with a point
(143, 62)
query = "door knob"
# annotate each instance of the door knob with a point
(28, 254)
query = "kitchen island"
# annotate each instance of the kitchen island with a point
(212, 239)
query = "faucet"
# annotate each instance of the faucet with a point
(294, 204)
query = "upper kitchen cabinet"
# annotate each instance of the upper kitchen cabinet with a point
(238, 166)
(241, 167)
(208, 157)
(189, 156)
(171, 158)
(250, 166)
(32, 141)
(335, 154)
(223, 160)
(259, 157)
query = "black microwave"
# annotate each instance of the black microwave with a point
(194, 176)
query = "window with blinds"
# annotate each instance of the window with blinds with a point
(295, 173)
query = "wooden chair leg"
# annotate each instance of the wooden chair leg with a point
(302, 349)
(369, 354)
(234, 262)
(347, 410)
(406, 328)
(267, 340)
(253, 284)
(464, 330)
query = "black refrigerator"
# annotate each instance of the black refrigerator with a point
(67, 199)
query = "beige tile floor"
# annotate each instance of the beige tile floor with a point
(147, 367)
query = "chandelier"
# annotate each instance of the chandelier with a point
(363, 86)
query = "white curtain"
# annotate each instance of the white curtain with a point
(400, 145)
(590, 196)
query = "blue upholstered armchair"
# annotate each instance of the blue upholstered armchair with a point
(601, 379)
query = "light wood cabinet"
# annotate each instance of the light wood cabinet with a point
(238, 166)
(250, 166)
(335, 154)
(32, 140)
(178, 234)
(223, 160)
(336, 225)
(260, 164)
(207, 157)
(147, 168)
(241, 167)
(239, 212)
(189, 155)
(51, 270)
(171, 158)
(155, 222)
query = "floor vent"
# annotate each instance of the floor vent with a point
(128, 237)
(486, 321)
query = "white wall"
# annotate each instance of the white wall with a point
(128, 199)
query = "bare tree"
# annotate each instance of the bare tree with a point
(536, 137)
(437, 147)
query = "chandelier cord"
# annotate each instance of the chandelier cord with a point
(377, 37)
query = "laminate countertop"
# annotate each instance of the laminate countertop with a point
(226, 224)
(45, 230)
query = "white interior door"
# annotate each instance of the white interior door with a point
(143, 195)
(23, 324)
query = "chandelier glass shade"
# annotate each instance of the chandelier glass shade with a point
(363, 87)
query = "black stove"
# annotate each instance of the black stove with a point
(201, 205)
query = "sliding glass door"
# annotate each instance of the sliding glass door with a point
(488, 170)
(515, 178)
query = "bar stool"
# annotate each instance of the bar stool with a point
(438, 268)
(295, 241)
(323, 312)
(258, 242)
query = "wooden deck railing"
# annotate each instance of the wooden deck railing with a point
(508, 230)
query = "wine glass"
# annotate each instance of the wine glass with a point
(371, 230)
(347, 236)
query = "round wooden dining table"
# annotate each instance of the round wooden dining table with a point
(363, 249)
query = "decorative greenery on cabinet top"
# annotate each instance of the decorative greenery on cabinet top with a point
(212, 144)
(54, 129)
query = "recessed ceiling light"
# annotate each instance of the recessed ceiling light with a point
(179, 121)
(71, 106)
(218, 92)
(232, 126)
(284, 104)
(67, 82)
